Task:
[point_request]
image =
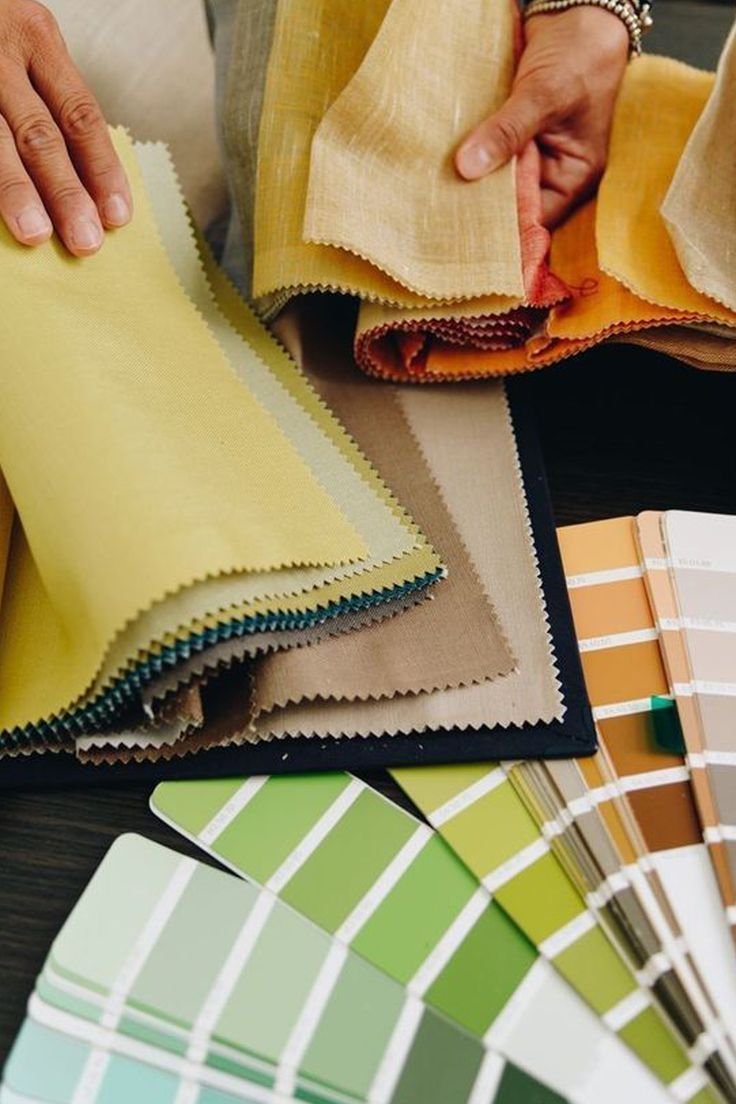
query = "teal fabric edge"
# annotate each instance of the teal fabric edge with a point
(110, 705)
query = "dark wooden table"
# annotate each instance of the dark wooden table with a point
(622, 430)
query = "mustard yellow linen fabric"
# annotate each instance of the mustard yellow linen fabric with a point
(659, 104)
(699, 208)
(382, 183)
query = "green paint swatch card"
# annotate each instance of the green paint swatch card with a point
(177, 977)
(395, 892)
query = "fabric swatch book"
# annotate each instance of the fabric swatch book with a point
(128, 643)
(355, 116)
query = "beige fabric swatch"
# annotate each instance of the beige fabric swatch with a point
(712, 352)
(176, 718)
(317, 48)
(228, 652)
(382, 183)
(453, 640)
(467, 437)
(700, 206)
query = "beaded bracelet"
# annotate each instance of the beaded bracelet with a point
(634, 16)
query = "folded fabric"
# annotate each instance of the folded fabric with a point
(451, 641)
(456, 280)
(163, 503)
(699, 204)
(488, 506)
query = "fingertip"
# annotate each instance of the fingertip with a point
(32, 226)
(116, 210)
(83, 237)
(473, 161)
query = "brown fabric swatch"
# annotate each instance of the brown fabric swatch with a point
(467, 437)
(453, 640)
(228, 652)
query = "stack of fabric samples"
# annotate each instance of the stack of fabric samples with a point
(178, 498)
(354, 116)
(534, 932)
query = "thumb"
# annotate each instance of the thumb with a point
(499, 137)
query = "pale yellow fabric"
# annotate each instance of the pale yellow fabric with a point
(659, 104)
(142, 401)
(699, 209)
(489, 508)
(382, 183)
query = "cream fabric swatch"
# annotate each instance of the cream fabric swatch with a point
(452, 640)
(659, 103)
(382, 183)
(699, 209)
(488, 505)
(317, 48)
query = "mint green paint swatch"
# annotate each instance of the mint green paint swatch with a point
(127, 1081)
(290, 948)
(192, 947)
(235, 973)
(364, 1005)
(53, 1079)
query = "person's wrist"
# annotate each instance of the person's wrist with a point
(591, 24)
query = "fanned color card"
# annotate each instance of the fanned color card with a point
(390, 887)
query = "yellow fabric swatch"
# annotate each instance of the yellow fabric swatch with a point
(659, 104)
(139, 399)
(382, 183)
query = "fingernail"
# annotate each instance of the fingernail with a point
(475, 161)
(86, 234)
(34, 224)
(116, 210)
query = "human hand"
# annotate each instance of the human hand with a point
(58, 167)
(563, 96)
